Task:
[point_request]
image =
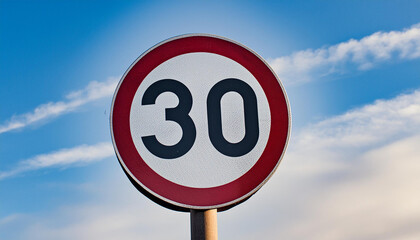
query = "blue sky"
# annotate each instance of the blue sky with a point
(351, 71)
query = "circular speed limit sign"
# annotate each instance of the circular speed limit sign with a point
(199, 122)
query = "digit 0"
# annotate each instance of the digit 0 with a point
(215, 118)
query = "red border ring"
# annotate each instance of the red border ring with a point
(181, 197)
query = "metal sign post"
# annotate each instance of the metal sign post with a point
(203, 224)
(199, 122)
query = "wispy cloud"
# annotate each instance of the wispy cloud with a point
(93, 91)
(376, 123)
(62, 158)
(117, 211)
(310, 64)
(300, 67)
(353, 176)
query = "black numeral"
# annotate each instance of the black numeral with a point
(214, 117)
(179, 114)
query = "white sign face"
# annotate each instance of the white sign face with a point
(199, 122)
(203, 166)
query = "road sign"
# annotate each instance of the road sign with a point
(199, 122)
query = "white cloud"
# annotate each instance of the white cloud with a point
(93, 91)
(307, 65)
(9, 219)
(380, 122)
(302, 66)
(108, 221)
(361, 194)
(62, 158)
(353, 176)
(117, 211)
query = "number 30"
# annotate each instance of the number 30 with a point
(179, 114)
